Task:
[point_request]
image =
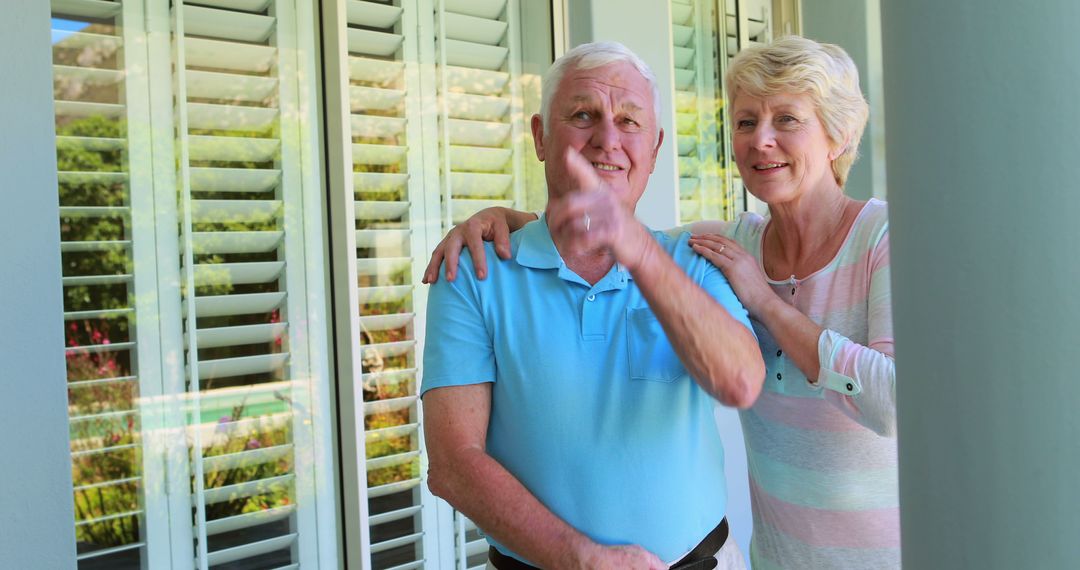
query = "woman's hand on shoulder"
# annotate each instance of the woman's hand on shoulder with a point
(741, 269)
(489, 224)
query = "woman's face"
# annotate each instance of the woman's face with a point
(780, 146)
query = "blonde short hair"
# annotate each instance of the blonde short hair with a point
(825, 72)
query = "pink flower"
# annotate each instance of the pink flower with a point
(253, 444)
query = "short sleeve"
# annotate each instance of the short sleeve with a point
(458, 349)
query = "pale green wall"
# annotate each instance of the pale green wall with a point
(36, 501)
(855, 25)
(982, 148)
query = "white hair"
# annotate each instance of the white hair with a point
(591, 56)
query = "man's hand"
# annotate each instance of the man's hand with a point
(630, 557)
(593, 217)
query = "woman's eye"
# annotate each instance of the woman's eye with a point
(744, 123)
(787, 119)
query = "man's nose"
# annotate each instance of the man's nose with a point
(605, 135)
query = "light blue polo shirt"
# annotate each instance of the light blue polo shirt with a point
(591, 409)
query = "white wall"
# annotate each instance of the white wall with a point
(982, 150)
(38, 516)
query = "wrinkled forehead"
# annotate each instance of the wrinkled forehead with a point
(620, 81)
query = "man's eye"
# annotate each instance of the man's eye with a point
(582, 116)
(631, 122)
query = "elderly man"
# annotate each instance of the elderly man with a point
(569, 396)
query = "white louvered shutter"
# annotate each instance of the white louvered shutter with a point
(430, 97)
(482, 131)
(107, 248)
(703, 193)
(389, 210)
(247, 318)
(706, 34)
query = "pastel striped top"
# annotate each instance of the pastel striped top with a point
(822, 459)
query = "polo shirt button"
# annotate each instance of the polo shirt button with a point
(778, 376)
(592, 297)
(779, 352)
(849, 387)
(792, 290)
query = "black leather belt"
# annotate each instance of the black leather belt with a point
(702, 557)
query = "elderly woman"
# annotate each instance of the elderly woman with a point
(814, 276)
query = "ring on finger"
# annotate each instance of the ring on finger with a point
(721, 250)
(587, 221)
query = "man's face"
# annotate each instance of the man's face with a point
(606, 115)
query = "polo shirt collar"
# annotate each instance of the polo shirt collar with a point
(536, 250)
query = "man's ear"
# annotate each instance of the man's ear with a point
(656, 151)
(537, 125)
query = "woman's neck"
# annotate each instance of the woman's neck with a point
(803, 235)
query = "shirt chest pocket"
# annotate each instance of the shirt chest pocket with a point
(652, 357)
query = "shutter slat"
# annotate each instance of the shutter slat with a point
(689, 208)
(396, 542)
(474, 547)
(377, 127)
(226, 24)
(101, 246)
(247, 489)
(93, 211)
(391, 488)
(477, 133)
(232, 149)
(243, 426)
(246, 458)
(391, 460)
(230, 117)
(687, 187)
(236, 242)
(237, 273)
(104, 450)
(235, 56)
(480, 185)
(389, 294)
(376, 71)
(684, 57)
(90, 143)
(372, 14)
(681, 14)
(682, 35)
(252, 211)
(98, 314)
(236, 336)
(461, 209)
(476, 107)
(389, 242)
(84, 109)
(490, 9)
(101, 348)
(380, 210)
(104, 416)
(687, 145)
(385, 322)
(98, 43)
(410, 565)
(108, 551)
(251, 550)
(394, 515)
(389, 348)
(126, 514)
(248, 520)
(100, 9)
(394, 432)
(98, 280)
(684, 78)
(380, 182)
(473, 29)
(109, 178)
(475, 81)
(378, 154)
(382, 265)
(389, 376)
(228, 305)
(373, 43)
(104, 484)
(87, 75)
(471, 54)
(204, 179)
(245, 5)
(374, 98)
(389, 406)
(241, 365)
(230, 86)
(477, 158)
